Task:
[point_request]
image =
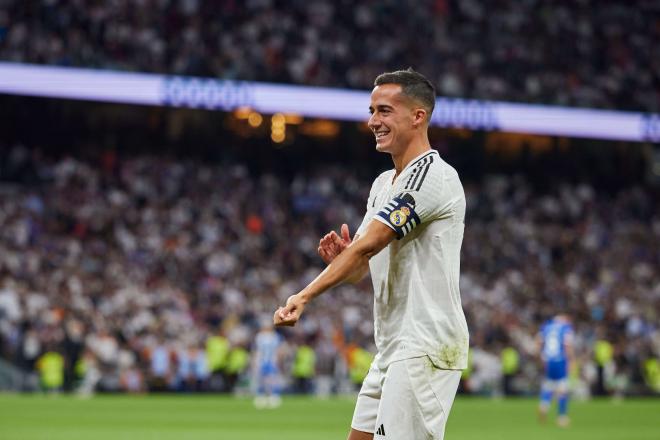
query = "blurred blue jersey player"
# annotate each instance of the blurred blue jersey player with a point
(556, 344)
(267, 345)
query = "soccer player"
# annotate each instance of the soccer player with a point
(267, 374)
(410, 241)
(555, 340)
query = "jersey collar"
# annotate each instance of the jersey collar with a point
(411, 164)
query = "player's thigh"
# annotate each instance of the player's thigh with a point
(360, 435)
(368, 401)
(554, 386)
(562, 386)
(416, 400)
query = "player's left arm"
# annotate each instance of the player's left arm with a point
(332, 245)
(539, 349)
(356, 256)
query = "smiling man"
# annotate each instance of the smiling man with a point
(410, 241)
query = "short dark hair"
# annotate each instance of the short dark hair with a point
(413, 85)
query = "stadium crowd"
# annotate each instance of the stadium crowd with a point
(590, 53)
(150, 273)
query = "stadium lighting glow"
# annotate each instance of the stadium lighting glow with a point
(254, 119)
(316, 102)
(278, 119)
(278, 128)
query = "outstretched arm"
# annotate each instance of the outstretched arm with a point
(342, 268)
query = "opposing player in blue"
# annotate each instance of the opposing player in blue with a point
(267, 348)
(556, 344)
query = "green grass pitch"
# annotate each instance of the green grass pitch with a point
(31, 417)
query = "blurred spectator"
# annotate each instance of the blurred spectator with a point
(51, 371)
(161, 370)
(217, 354)
(239, 359)
(88, 372)
(303, 370)
(510, 360)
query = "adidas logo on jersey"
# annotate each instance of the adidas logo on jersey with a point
(381, 431)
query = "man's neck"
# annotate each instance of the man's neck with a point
(402, 160)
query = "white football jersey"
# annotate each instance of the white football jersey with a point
(417, 303)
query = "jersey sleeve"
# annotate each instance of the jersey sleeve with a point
(416, 203)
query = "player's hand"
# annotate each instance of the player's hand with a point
(332, 244)
(288, 315)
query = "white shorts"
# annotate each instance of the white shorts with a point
(411, 400)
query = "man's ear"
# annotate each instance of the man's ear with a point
(419, 116)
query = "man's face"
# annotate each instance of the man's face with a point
(392, 118)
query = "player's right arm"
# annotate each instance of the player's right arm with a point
(376, 237)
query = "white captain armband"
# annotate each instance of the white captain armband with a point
(399, 214)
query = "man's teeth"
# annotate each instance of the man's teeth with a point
(381, 134)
